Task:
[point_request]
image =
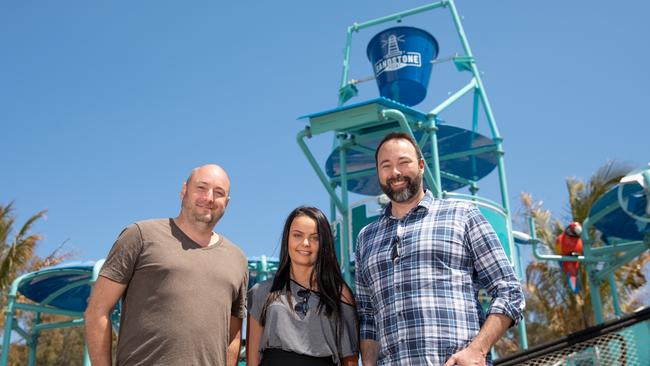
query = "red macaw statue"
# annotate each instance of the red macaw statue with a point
(569, 243)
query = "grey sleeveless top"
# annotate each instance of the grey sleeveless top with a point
(312, 334)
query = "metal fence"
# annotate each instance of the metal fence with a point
(625, 341)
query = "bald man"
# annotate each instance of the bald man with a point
(183, 285)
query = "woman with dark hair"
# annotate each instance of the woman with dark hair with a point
(305, 315)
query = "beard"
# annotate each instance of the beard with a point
(205, 218)
(413, 186)
(209, 219)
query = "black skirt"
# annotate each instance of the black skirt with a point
(278, 357)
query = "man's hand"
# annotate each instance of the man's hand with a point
(466, 357)
(493, 328)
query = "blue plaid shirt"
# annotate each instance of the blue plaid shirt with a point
(417, 281)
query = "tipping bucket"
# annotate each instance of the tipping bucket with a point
(401, 59)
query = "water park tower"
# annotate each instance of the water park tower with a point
(457, 157)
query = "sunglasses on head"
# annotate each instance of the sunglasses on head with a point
(303, 306)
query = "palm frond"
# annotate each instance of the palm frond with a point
(583, 195)
(6, 224)
(17, 258)
(28, 224)
(17, 252)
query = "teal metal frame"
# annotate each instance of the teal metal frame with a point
(261, 269)
(31, 336)
(365, 122)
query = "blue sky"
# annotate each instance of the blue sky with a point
(105, 107)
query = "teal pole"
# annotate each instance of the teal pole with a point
(265, 268)
(31, 360)
(502, 176)
(49, 310)
(473, 67)
(454, 98)
(33, 345)
(58, 325)
(590, 269)
(435, 158)
(486, 104)
(615, 249)
(9, 323)
(96, 268)
(475, 111)
(521, 327)
(612, 288)
(312, 161)
(398, 16)
(345, 218)
(523, 335)
(23, 333)
(86, 355)
(594, 290)
(615, 262)
(346, 60)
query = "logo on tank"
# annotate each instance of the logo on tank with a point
(394, 58)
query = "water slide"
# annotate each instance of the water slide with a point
(623, 213)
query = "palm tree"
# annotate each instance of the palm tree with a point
(56, 346)
(17, 251)
(553, 310)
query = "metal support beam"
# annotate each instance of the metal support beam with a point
(319, 172)
(615, 263)
(594, 291)
(22, 332)
(49, 310)
(66, 324)
(453, 98)
(345, 219)
(613, 249)
(614, 292)
(9, 325)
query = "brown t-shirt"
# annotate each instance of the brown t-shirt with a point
(180, 296)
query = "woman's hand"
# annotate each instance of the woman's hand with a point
(350, 361)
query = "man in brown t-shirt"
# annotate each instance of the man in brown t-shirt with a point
(183, 286)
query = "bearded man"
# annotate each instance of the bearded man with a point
(419, 268)
(183, 285)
